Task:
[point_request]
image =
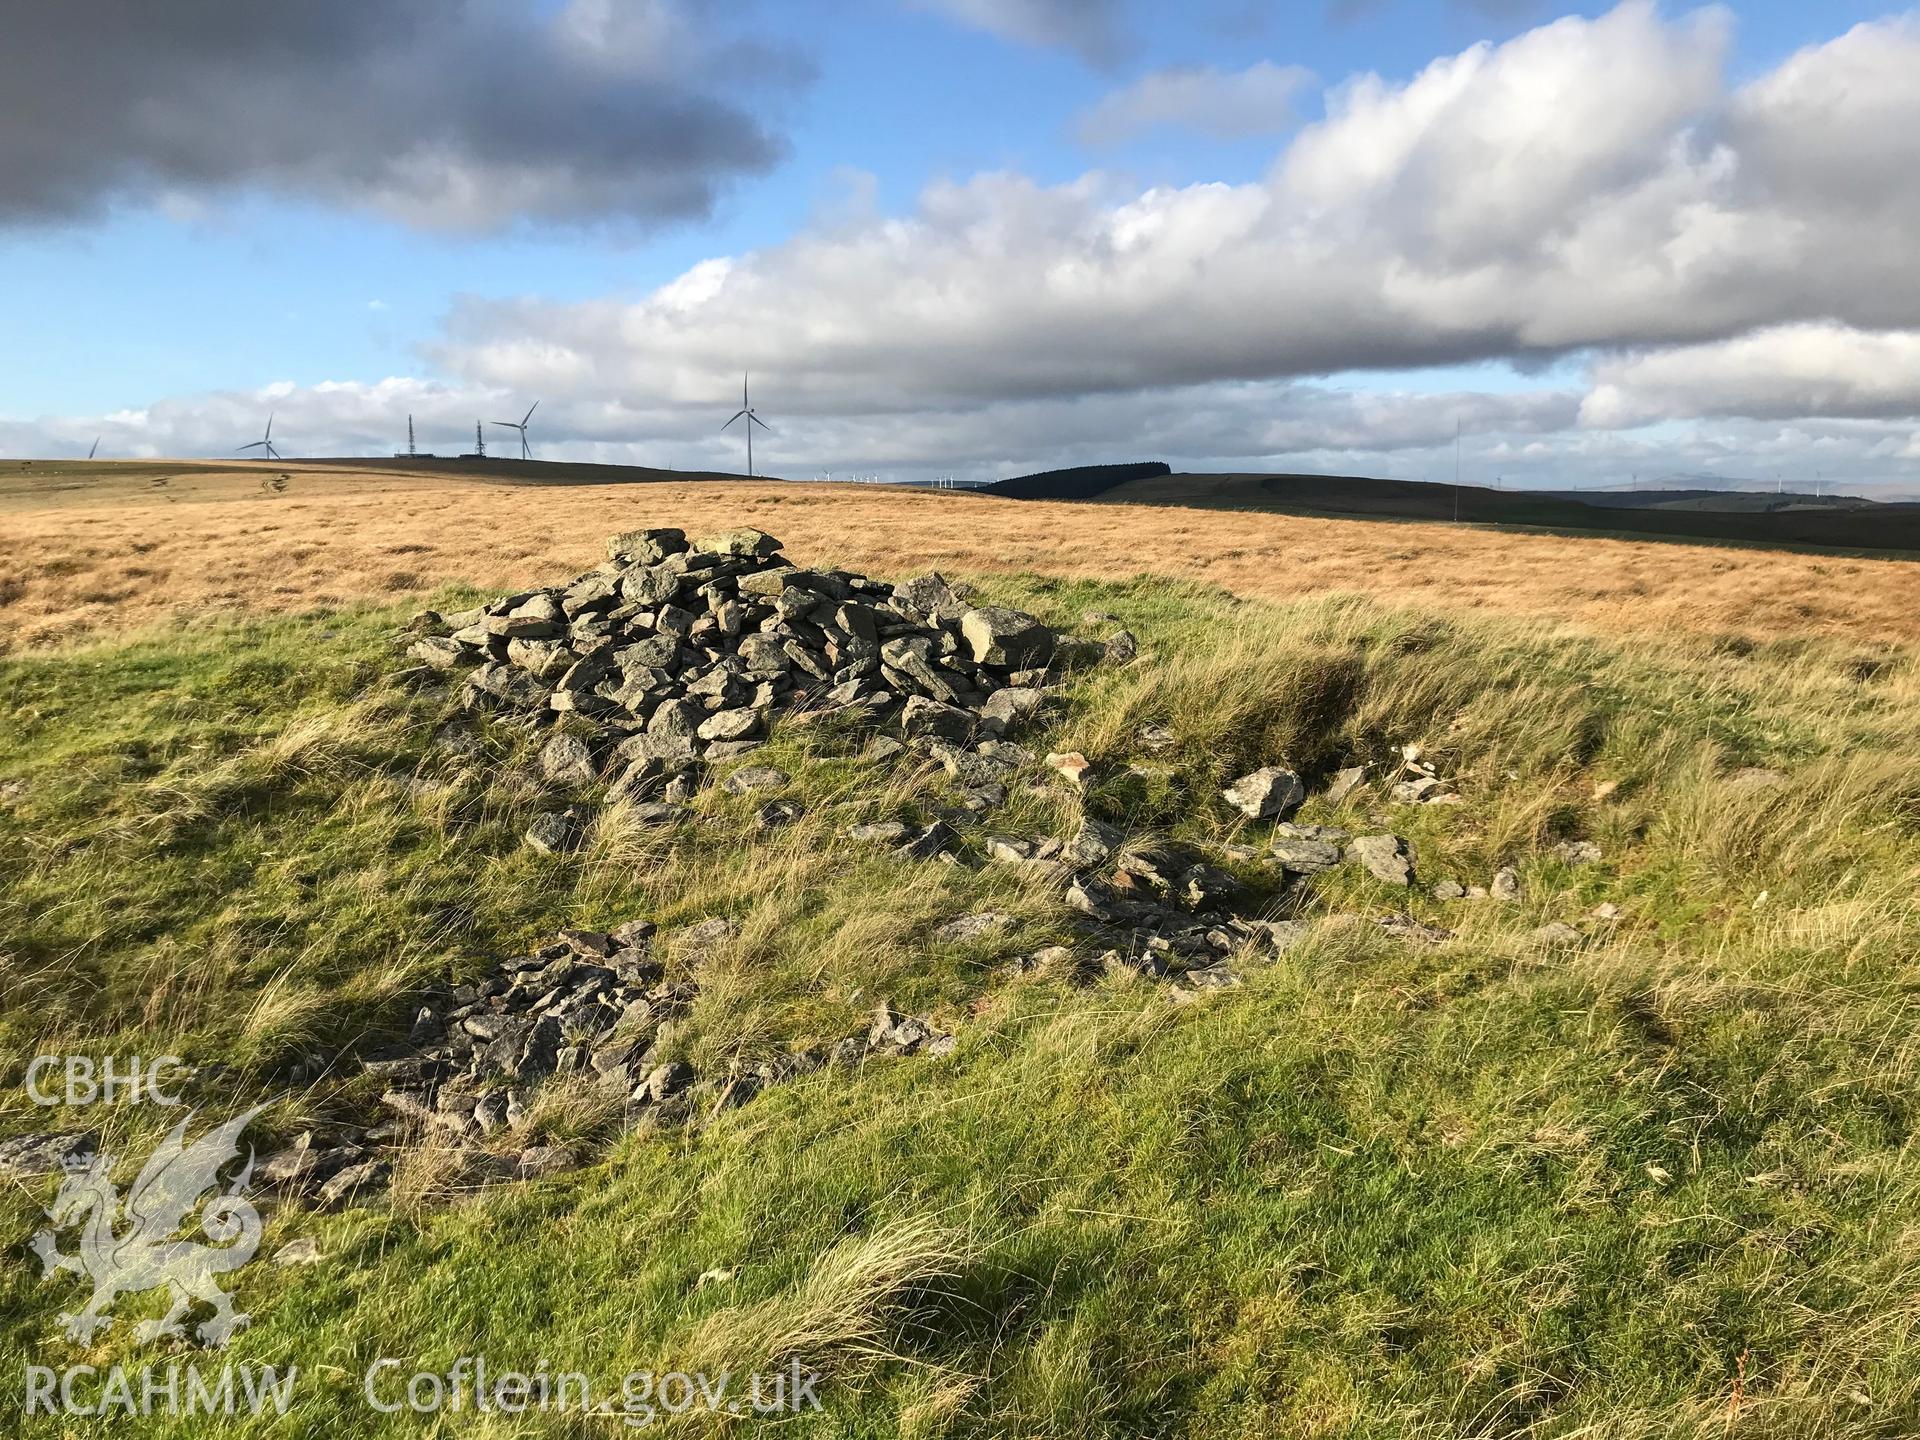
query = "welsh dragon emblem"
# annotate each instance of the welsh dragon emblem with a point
(126, 1255)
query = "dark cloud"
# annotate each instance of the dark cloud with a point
(442, 113)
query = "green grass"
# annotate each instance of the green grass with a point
(1659, 1185)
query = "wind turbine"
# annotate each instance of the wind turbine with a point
(526, 451)
(746, 409)
(264, 443)
(95, 450)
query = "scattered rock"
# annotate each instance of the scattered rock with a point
(927, 843)
(306, 1164)
(750, 778)
(1121, 648)
(1270, 793)
(1205, 887)
(659, 812)
(972, 927)
(1421, 790)
(1385, 857)
(1605, 910)
(26, 1156)
(775, 813)
(1449, 890)
(1156, 739)
(1405, 927)
(303, 1251)
(882, 832)
(1071, 766)
(894, 1034)
(350, 1181)
(1505, 885)
(697, 942)
(556, 832)
(1331, 834)
(1577, 852)
(1094, 843)
(539, 1161)
(1302, 854)
(1345, 782)
(664, 1082)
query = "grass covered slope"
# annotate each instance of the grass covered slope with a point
(1659, 1184)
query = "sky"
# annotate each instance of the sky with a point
(974, 237)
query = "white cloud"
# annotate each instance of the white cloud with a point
(1785, 372)
(1590, 184)
(1227, 104)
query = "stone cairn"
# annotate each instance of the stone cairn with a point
(673, 656)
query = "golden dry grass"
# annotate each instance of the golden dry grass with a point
(113, 549)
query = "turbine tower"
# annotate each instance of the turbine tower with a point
(479, 441)
(264, 443)
(410, 449)
(746, 409)
(526, 450)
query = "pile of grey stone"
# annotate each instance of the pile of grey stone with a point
(591, 1008)
(675, 653)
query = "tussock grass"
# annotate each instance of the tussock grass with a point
(845, 1311)
(1661, 1183)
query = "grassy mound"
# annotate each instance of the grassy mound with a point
(1658, 1184)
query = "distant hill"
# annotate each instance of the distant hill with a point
(1081, 482)
(1719, 499)
(1855, 526)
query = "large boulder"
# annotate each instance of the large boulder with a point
(566, 760)
(646, 547)
(746, 543)
(1010, 639)
(931, 598)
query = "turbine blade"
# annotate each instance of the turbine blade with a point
(736, 417)
(254, 446)
(529, 415)
(743, 390)
(511, 425)
(758, 421)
